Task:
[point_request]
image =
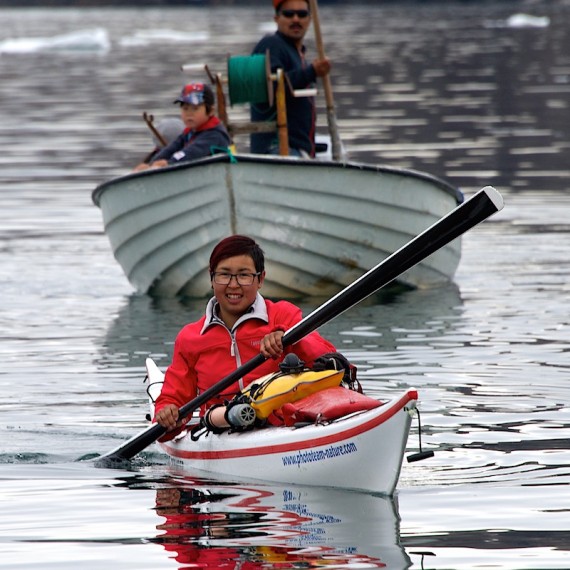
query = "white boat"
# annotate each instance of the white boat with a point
(362, 451)
(322, 224)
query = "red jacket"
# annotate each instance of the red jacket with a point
(207, 351)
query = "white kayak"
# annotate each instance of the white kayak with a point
(361, 451)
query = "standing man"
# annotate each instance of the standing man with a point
(287, 52)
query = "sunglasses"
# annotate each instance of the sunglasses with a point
(301, 14)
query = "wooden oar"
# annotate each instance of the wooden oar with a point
(467, 215)
(149, 120)
(337, 153)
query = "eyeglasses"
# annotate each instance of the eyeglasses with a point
(301, 14)
(223, 278)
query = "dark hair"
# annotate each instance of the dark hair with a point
(237, 245)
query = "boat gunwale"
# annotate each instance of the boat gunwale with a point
(270, 159)
(378, 416)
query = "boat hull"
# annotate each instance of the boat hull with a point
(363, 451)
(321, 224)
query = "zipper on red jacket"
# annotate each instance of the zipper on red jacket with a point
(234, 344)
(234, 351)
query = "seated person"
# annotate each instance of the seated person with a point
(204, 132)
(237, 325)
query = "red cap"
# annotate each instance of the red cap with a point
(277, 3)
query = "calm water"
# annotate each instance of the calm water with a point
(458, 90)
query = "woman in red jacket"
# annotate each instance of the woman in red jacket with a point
(238, 324)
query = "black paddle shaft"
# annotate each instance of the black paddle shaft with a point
(473, 211)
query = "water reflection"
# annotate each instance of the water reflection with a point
(145, 326)
(222, 525)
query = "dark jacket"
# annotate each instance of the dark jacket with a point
(300, 110)
(212, 137)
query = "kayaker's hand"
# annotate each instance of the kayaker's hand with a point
(271, 345)
(167, 417)
(321, 66)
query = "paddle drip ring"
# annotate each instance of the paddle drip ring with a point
(249, 79)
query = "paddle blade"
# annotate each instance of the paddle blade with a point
(118, 458)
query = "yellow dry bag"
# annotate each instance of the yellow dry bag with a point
(270, 392)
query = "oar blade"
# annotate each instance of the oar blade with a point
(118, 458)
